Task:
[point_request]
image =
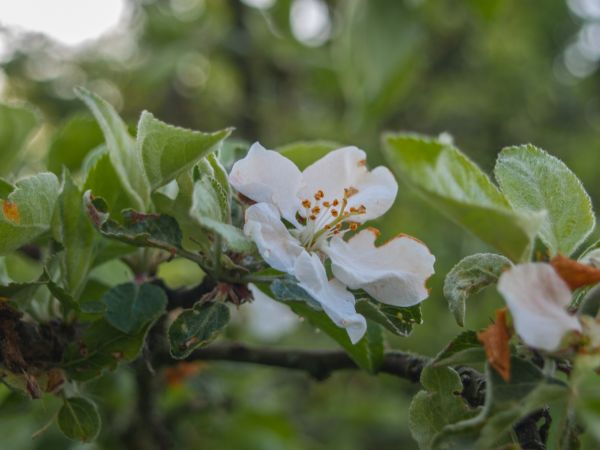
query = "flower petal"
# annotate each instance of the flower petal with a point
(394, 273)
(275, 244)
(333, 297)
(345, 168)
(266, 176)
(537, 298)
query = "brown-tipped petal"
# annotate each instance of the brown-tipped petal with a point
(574, 273)
(495, 342)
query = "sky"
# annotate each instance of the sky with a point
(69, 22)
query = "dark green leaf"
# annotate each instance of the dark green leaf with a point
(130, 306)
(79, 420)
(197, 327)
(463, 349)
(399, 321)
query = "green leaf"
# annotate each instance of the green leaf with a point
(366, 353)
(209, 209)
(121, 148)
(506, 402)
(64, 297)
(167, 151)
(463, 349)
(469, 276)
(17, 125)
(73, 141)
(437, 406)
(196, 328)
(399, 321)
(101, 348)
(76, 234)
(79, 420)
(130, 307)
(304, 153)
(532, 180)
(585, 382)
(459, 189)
(103, 181)
(28, 210)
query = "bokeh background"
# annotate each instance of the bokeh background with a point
(491, 73)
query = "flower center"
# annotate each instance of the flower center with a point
(324, 218)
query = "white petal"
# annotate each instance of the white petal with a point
(266, 176)
(345, 168)
(537, 298)
(268, 319)
(333, 297)
(275, 244)
(394, 273)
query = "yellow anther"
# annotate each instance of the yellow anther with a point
(334, 212)
(354, 226)
(306, 203)
(316, 210)
(336, 202)
(319, 195)
(326, 204)
(350, 191)
(362, 209)
(313, 217)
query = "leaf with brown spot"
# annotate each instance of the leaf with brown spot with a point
(11, 211)
(495, 341)
(574, 273)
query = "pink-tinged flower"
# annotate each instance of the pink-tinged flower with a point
(319, 205)
(538, 299)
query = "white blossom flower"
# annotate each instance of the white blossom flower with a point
(538, 298)
(300, 219)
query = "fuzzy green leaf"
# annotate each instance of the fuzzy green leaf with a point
(28, 210)
(452, 183)
(121, 148)
(533, 180)
(399, 321)
(469, 276)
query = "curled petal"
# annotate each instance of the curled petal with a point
(333, 297)
(394, 273)
(275, 244)
(345, 168)
(537, 298)
(266, 176)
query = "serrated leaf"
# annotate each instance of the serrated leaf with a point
(437, 406)
(102, 347)
(209, 209)
(130, 307)
(532, 180)
(16, 126)
(79, 420)
(463, 349)
(197, 327)
(77, 236)
(468, 277)
(167, 151)
(459, 189)
(27, 211)
(76, 137)
(399, 321)
(121, 148)
(366, 353)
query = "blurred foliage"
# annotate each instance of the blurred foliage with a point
(491, 73)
